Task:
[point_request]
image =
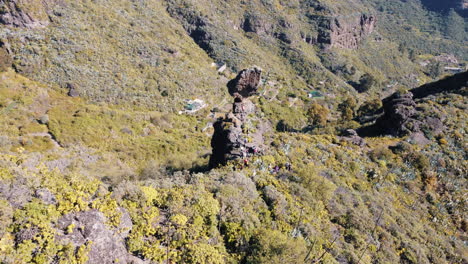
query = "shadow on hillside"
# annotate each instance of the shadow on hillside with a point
(440, 6)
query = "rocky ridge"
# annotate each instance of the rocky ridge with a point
(403, 117)
(236, 136)
(25, 13)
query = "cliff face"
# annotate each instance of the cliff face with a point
(25, 13)
(347, 32)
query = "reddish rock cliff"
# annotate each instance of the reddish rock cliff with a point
(25, 13)
(347, 32)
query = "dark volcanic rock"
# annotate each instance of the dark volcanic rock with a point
(240, 133)
(401, 117)
(399, 110)
(257, 24)
(246, 82)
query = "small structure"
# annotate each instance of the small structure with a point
(454, 70)
(222, 68)
(314, 94)
(193, 106)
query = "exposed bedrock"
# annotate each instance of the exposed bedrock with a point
(240, 133)
(25, 13)
(401, 117)
(246, 83)
(346, 32)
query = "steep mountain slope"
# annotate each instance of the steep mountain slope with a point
(104, 153)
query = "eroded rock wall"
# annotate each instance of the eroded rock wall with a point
(346, 32)
(25, 13)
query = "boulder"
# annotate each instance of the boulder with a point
(350, 135)
(246, 83)
(72, 90)
(90, 226)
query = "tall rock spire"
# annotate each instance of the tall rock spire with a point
(236, 136)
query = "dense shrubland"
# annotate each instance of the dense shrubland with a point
(121, 152)
(391, 201)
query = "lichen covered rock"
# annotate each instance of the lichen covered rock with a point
(25, 13)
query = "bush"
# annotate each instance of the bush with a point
(272, 246)
(380, 153)
(366, 82)
(369, 107)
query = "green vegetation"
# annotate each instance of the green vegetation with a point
(121, 150)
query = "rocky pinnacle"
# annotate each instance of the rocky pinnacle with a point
(239, 134)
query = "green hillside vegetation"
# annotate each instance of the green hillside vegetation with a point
(124, 150)
(341, 202)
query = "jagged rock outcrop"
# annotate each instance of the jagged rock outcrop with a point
(240, 133)
(246, 83)
(25, 13)
(399, 110)
(260, 25)
(346, 32)
(106, 245)
(401, 117)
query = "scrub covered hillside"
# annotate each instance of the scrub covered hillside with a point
(126, 137)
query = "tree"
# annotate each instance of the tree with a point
(347, 108)
(366, 82)
(434, 69)
(318, 114)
